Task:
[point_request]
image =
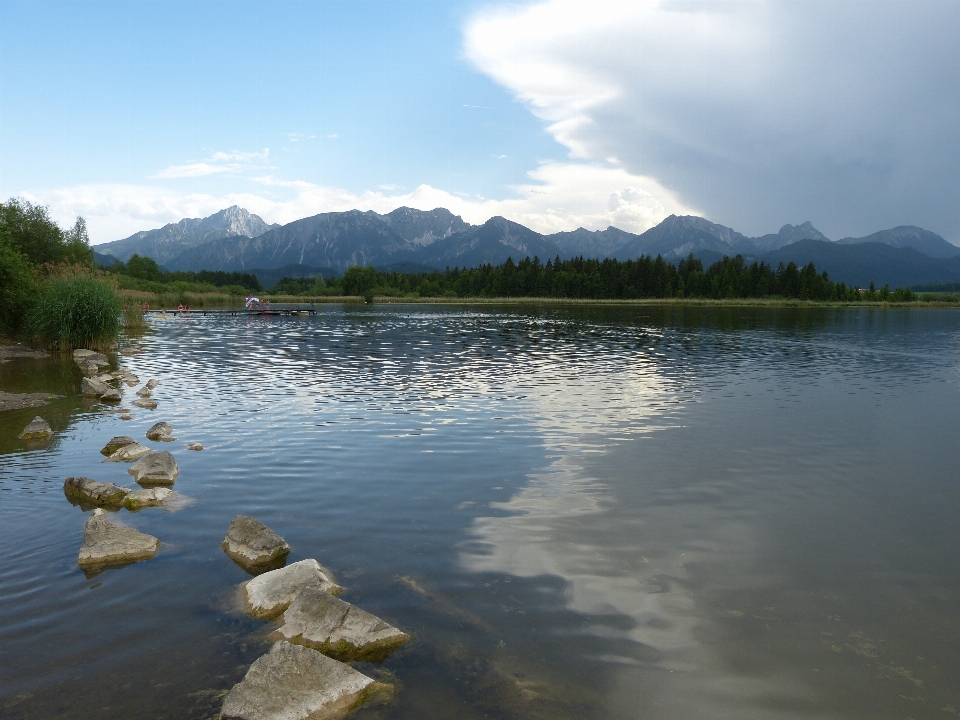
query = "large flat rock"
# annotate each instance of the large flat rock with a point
(253, 545)
(18, 401)
(337, 628)
(296, 683)
(36, 429)
(268, 595)
(129, 453)
(157, 468)
(108, 543)
(93, 493)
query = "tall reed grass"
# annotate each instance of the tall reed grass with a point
(76, 312)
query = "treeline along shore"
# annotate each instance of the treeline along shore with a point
(646, 278)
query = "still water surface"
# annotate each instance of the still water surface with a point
(594, 512)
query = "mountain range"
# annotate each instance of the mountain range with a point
(409, 239)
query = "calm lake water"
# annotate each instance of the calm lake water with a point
(578, 512)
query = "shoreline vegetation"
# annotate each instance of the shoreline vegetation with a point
(53, 295)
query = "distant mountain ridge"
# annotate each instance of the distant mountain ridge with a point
(170, 241)
(418, 239)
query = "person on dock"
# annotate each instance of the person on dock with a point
(180, 309)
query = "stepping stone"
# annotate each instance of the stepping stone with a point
(268, 595)
(145, 403)
(194, 446)
(106, 543)
(296, 683)
(143, 392)
(129, 453)
(254, 546)
(337, 628)
(151, 384)
(148, 497)
(36, 429)
(116, 443)
(126, 416)
(91, 492)
(159, 431)
(91, 387)
(157, 468)
(111, 395)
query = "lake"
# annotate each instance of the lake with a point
(577, 511)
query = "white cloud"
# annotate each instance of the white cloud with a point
(758, 112)
(234, 162)
(558, 196)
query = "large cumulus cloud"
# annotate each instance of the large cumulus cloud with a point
(759, 113)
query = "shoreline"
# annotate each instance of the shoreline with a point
(649, 302)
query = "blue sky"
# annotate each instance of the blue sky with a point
(557, 113)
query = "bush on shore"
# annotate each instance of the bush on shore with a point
(76, 312)
(47, 289)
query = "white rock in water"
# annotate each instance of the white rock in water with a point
(159, 431)
(328, 624)
(253, 545)
(157, 468)
(91, 387)
(296, 683)
(149, 497)
(94, 493)
(268, 595)
(129, 453)
(146, 404)
(36, 429)
(194, 446)
(106, 542)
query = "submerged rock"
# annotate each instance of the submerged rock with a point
(148, 497)
(194, 446)
(111, 395)
(116, 443)
(157, 468)
(159, 431)
(129, 453)
(296, 683)
(84, 355)
(253, 545)
(106, 542)
(319, 620)
(126, 416)
(36, 429)
(91, 387)
(146, 404)
(91, 492)
(268, 595)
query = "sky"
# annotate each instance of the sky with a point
(554, 113)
